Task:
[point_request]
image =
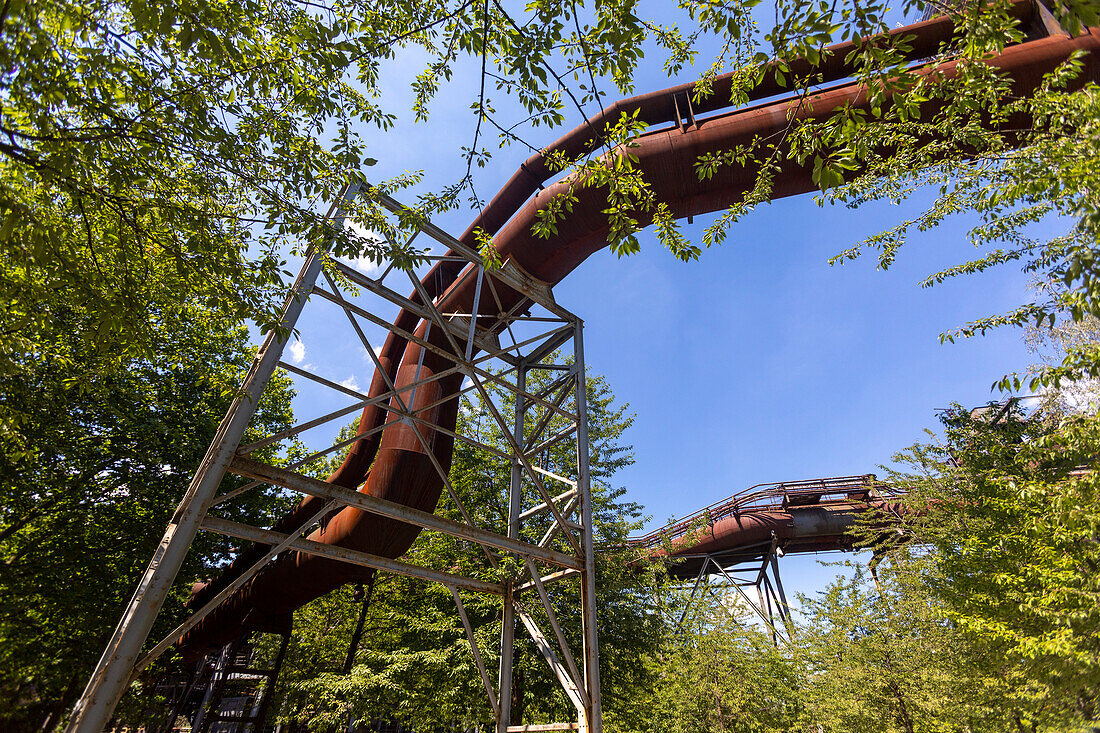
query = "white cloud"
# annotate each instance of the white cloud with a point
(364, 265)
(1076, 396)
(350, 383)
(366, 357)
(297, 351)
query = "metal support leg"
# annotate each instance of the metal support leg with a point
(474, 650)
(784, 607)
(188, 689)
(763, 590)
(765, 613)
(212, 702)
(208, 694)
(515, 503)
(507, 648)
(110, 678)
(694, 589)
(593, 713)
(269, 689)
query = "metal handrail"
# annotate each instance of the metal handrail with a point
(762, 496)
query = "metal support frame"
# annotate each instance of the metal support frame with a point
(236, 669)
(758, 570)
(497, 354)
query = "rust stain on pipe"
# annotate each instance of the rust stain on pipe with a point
(393, 463)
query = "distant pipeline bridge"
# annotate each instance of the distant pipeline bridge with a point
(793, 517)
(739, 540)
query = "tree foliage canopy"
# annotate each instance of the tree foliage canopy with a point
(92, 462)
(158, 150)
(1010, 509)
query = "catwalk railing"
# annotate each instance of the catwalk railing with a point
(767, 496)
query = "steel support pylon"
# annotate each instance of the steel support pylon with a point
(755, 569)
(519, 364)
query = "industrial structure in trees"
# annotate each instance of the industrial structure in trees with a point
(488, 297)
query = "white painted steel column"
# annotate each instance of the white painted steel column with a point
(108, 682)
(515, 504)
(594, 724)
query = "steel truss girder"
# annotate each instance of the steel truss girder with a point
(771, 601)
(578, 674)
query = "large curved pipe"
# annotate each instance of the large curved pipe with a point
(394, 463)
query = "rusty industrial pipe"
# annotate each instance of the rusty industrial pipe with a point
(794, 529)
(394, 464)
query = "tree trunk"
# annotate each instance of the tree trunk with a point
(353, 647)
(903, 711)
(519, 699)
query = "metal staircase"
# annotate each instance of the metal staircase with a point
(229, 691)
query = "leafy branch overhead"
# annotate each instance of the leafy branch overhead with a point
(156, 152)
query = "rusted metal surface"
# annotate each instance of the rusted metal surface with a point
(398, 464)
(736, 543)
(767, 497)
(795, 517)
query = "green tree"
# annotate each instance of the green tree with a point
(886, 657)
(989, 594)
(193, 139)
(159, 153)
(92, 462)
(147, 144)
(159, 150)
(720, 673)
(1013, 523)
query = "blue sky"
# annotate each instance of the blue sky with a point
(757, 363)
